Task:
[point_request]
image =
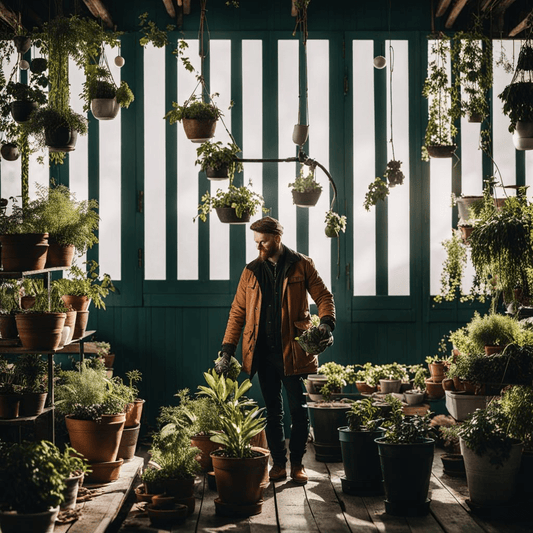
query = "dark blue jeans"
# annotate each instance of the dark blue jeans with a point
(271, 379)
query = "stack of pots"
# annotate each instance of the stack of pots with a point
(80, 304)
(132, 428)
(434, 383)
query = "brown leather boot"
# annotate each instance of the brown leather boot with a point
(277, 473)
(298, 474)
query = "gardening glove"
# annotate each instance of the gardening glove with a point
(325, 331)
(223, 363)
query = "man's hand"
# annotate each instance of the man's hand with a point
(222, 364)
(325, 331)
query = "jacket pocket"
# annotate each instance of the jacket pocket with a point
(296, 279)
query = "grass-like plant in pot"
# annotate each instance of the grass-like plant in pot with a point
(32, 370)
(406, 453)
(305, 189)
(33, 475)
(240, 470)
(442, 97)
(492, 330)
(217, 161)
(492, 456)
(233, 206)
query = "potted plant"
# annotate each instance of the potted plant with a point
(234, 206)
(367, 378)
(240, 469)
(305, 189)
(103, 351)
(517, 99)
(32, 502)
(9, 304)
(105, 97)
(491, 455)
(217, 161)
(362, 470)
(440, 130)
(393, 173)
(32, 370)
(199, 118)
(94, 412)
(71, 224)
(335, 223)
(406, 456)
(392, 375)
(9, 390)
(492, 332)
(437, 363)
(377, 190)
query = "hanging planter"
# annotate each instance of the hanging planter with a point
(104, 108)
(21, 111)
(305, 189)
(10, 151)
(299, 134)
(105, 97)
(22, 43)
(335, 223)
(441, 151)
(228, 215)
(218, 162)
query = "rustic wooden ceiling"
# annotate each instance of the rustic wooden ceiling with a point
(503, 18)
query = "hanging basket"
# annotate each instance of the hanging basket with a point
(104, 108)
(523, 136)
(22, 43)
(62, 139)
(441, 151)
(10, 151)
(199, 131)
(21, 110)
(217, 174)
(227, 215)
(306, 199)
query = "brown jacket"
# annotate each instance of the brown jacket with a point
(301, 277)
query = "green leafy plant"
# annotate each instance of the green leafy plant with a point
(86, 284)
(9, 296)
(377, 190)
(234, 367)
(102, 348)
(8, 377)
(492, 330)
(419, 380)
(408, 429)
(515, 404)
(335, 223)
(193, 109)
(336, 375)
(304, 183)
(311, 339)
(393, 173)
(242, 199)
(363, 416)
(214, 155)
(32, 370)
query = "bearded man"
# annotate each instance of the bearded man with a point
(271, 306)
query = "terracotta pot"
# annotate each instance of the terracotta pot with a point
(128, 443)
(109, 359)
(306, 199)
(179, 488)
(489, 350)
(447, 384)
(27, 302)
(82, 317)
(162, 501)
(458, 384)
(206, 446)
(35, 522)
(469, 387)
(434, 390)
(227, 215)
(437, 371)
(134, 413)
(72, 485)
(32, 403)
(365, 388)
(199, 131)
(70, 322)
(143, 496)
(189, 502)
(97, 441)
(260, 440)
(217, 174)
(24, 252)
(40, 331)
(239, 481)
(441, 151)
(105, 472)
(21, 110)
(59, 255)
(78, 303)
(166, 518)
(8, 327)
(61, 139)
(9, 405)
(465, 232)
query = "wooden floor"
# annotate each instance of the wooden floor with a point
(321, 506)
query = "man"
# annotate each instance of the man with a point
(271, 305)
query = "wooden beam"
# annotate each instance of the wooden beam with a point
(8, 16)
(99, 10)
(456, 10)
(169, 6)
(186, 7)
(520, 27)
(442, 7)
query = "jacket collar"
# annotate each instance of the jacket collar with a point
(290, 257)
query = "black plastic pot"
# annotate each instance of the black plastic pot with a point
(10, 151)
(62, 139)
(326, 420)
(217, 174)
(21, 110)
(406, 472)
(441, 151)
(362, 469)
(227, 215)
(306, 199)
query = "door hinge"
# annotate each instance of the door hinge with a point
(140, 257)
(346, 85)
(140, 201)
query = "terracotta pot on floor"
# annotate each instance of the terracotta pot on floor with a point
(206, 446)
(134, 413)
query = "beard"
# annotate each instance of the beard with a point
(265, 254)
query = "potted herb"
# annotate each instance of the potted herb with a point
(492, 332)
(491, 455)
(406, 456)
(335, 223)
(199, 118)
(240, 469)
(9, 304)
(392, 375)
(32, 502)
(234, 206)
(305, 189)
(440, 130)
(367, 378)
(32, 370)
(517, 99)
(217, 161)
(9, 390)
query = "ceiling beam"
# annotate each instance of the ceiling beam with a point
(521, 26)
(442, 7)
(169, 6)
(8, 16)
(186, 4)
(456, 10)
(99, 10)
